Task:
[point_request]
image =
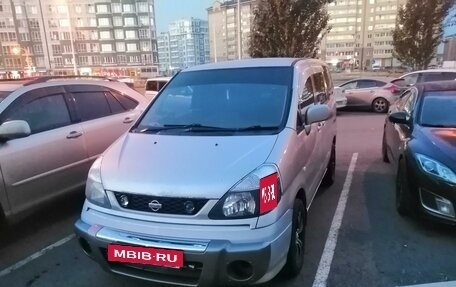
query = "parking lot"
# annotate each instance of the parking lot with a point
(374, 246)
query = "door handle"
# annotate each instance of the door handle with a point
(128, 120)
(74, 134)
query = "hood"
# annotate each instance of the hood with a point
(182, 166)
(444, 139)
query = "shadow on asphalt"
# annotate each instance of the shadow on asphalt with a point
(47, 215)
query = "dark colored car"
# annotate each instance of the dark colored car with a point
(419, 139)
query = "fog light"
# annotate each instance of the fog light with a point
(189, 207)
(124, 200)
(445, 206)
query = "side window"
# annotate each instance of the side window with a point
(449, 76)
(403, 99)
(411, 79)
(92, 105)
(328, 79)
(320, 88)
(306, 99)
(432, 77)
(379, 84)
(350, 85)
(151, 86)
(127, 102)
(410, 103)
(43, 114)
(114, 104)
(366, 84)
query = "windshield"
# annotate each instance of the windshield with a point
(223, 99)
(439, 109)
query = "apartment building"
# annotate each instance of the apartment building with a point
(64, 37)
(225, 42)
(186, 44)
(361, 33)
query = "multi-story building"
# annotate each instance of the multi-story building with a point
(225, 42)
(92, 37)
(186, 44)
(361, 33)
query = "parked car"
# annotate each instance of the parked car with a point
(51, 131)
(425, 76)
(341, 99)
(214, 186)
(154, 85)
(376, 93)
(420, 141)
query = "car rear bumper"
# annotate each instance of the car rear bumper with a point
(206, 262)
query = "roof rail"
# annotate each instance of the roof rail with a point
(44, 79)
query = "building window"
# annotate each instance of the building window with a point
(78, 9)
(121, 59)
(68, 61)
(130, 34)
(132, 47)
(33, 10)
(144, 34)
(94, 35)
(12, 36)
(79, 22)
(83, 60)
(24, 36)
(142, 7)
(116, 8)
(146, 58)
(103, 22)
(18, 9)
(96, 60)
(56, 49)
(64, 23)
(37, 49)
(91, 9)
(93, 22)
(62, 9)
(94, 47)
(105, 35)
(34, 24)
(53, 23)
(145, 46)
(81, 48)
(108, 60)
(39, 61)
(55, 36)
(119, 34)
(120, 47)
(133, 59)
(130, 21)
(102, 8)
(106, 47)
(117, 21)
(67, 49)
(143, 20)
(128, 8)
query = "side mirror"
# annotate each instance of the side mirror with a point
(317, 113)
(399, 118)
(14, 130)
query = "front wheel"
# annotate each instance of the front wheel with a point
(295, 258)
(380, 105)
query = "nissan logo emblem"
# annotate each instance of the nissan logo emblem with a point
(155, 206)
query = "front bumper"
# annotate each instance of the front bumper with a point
(341, 103)
(429, 190)
(206, 262)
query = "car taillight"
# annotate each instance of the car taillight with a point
(393, 89)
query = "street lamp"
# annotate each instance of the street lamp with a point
(18, 51)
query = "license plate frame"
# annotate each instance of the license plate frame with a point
(145, 255)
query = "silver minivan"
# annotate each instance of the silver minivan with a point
(212, 186)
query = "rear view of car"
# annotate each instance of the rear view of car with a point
(154, 85)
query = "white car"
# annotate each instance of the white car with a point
(154, 85)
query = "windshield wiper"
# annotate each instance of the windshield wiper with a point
(204, 128)
(258, 128)
(438, 126)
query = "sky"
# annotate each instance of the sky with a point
(167, 11)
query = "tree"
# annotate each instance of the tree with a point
(419, 31)
(288, 28)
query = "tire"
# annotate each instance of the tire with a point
(380, 105)
(404, 199)
(330, 174)
(384, 149)
(295, 257)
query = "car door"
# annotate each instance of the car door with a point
(363, 95)
(309, 159)
(105, 115)
(398, 134)
(53, 159)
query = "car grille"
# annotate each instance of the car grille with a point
(168, 205)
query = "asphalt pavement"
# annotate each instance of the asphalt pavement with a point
(374, 246)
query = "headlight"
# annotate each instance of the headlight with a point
(95, 192)
(256, 194)
(434, 167)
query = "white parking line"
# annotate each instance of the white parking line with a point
(328, 253)
(36, 255)
(441, 284)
